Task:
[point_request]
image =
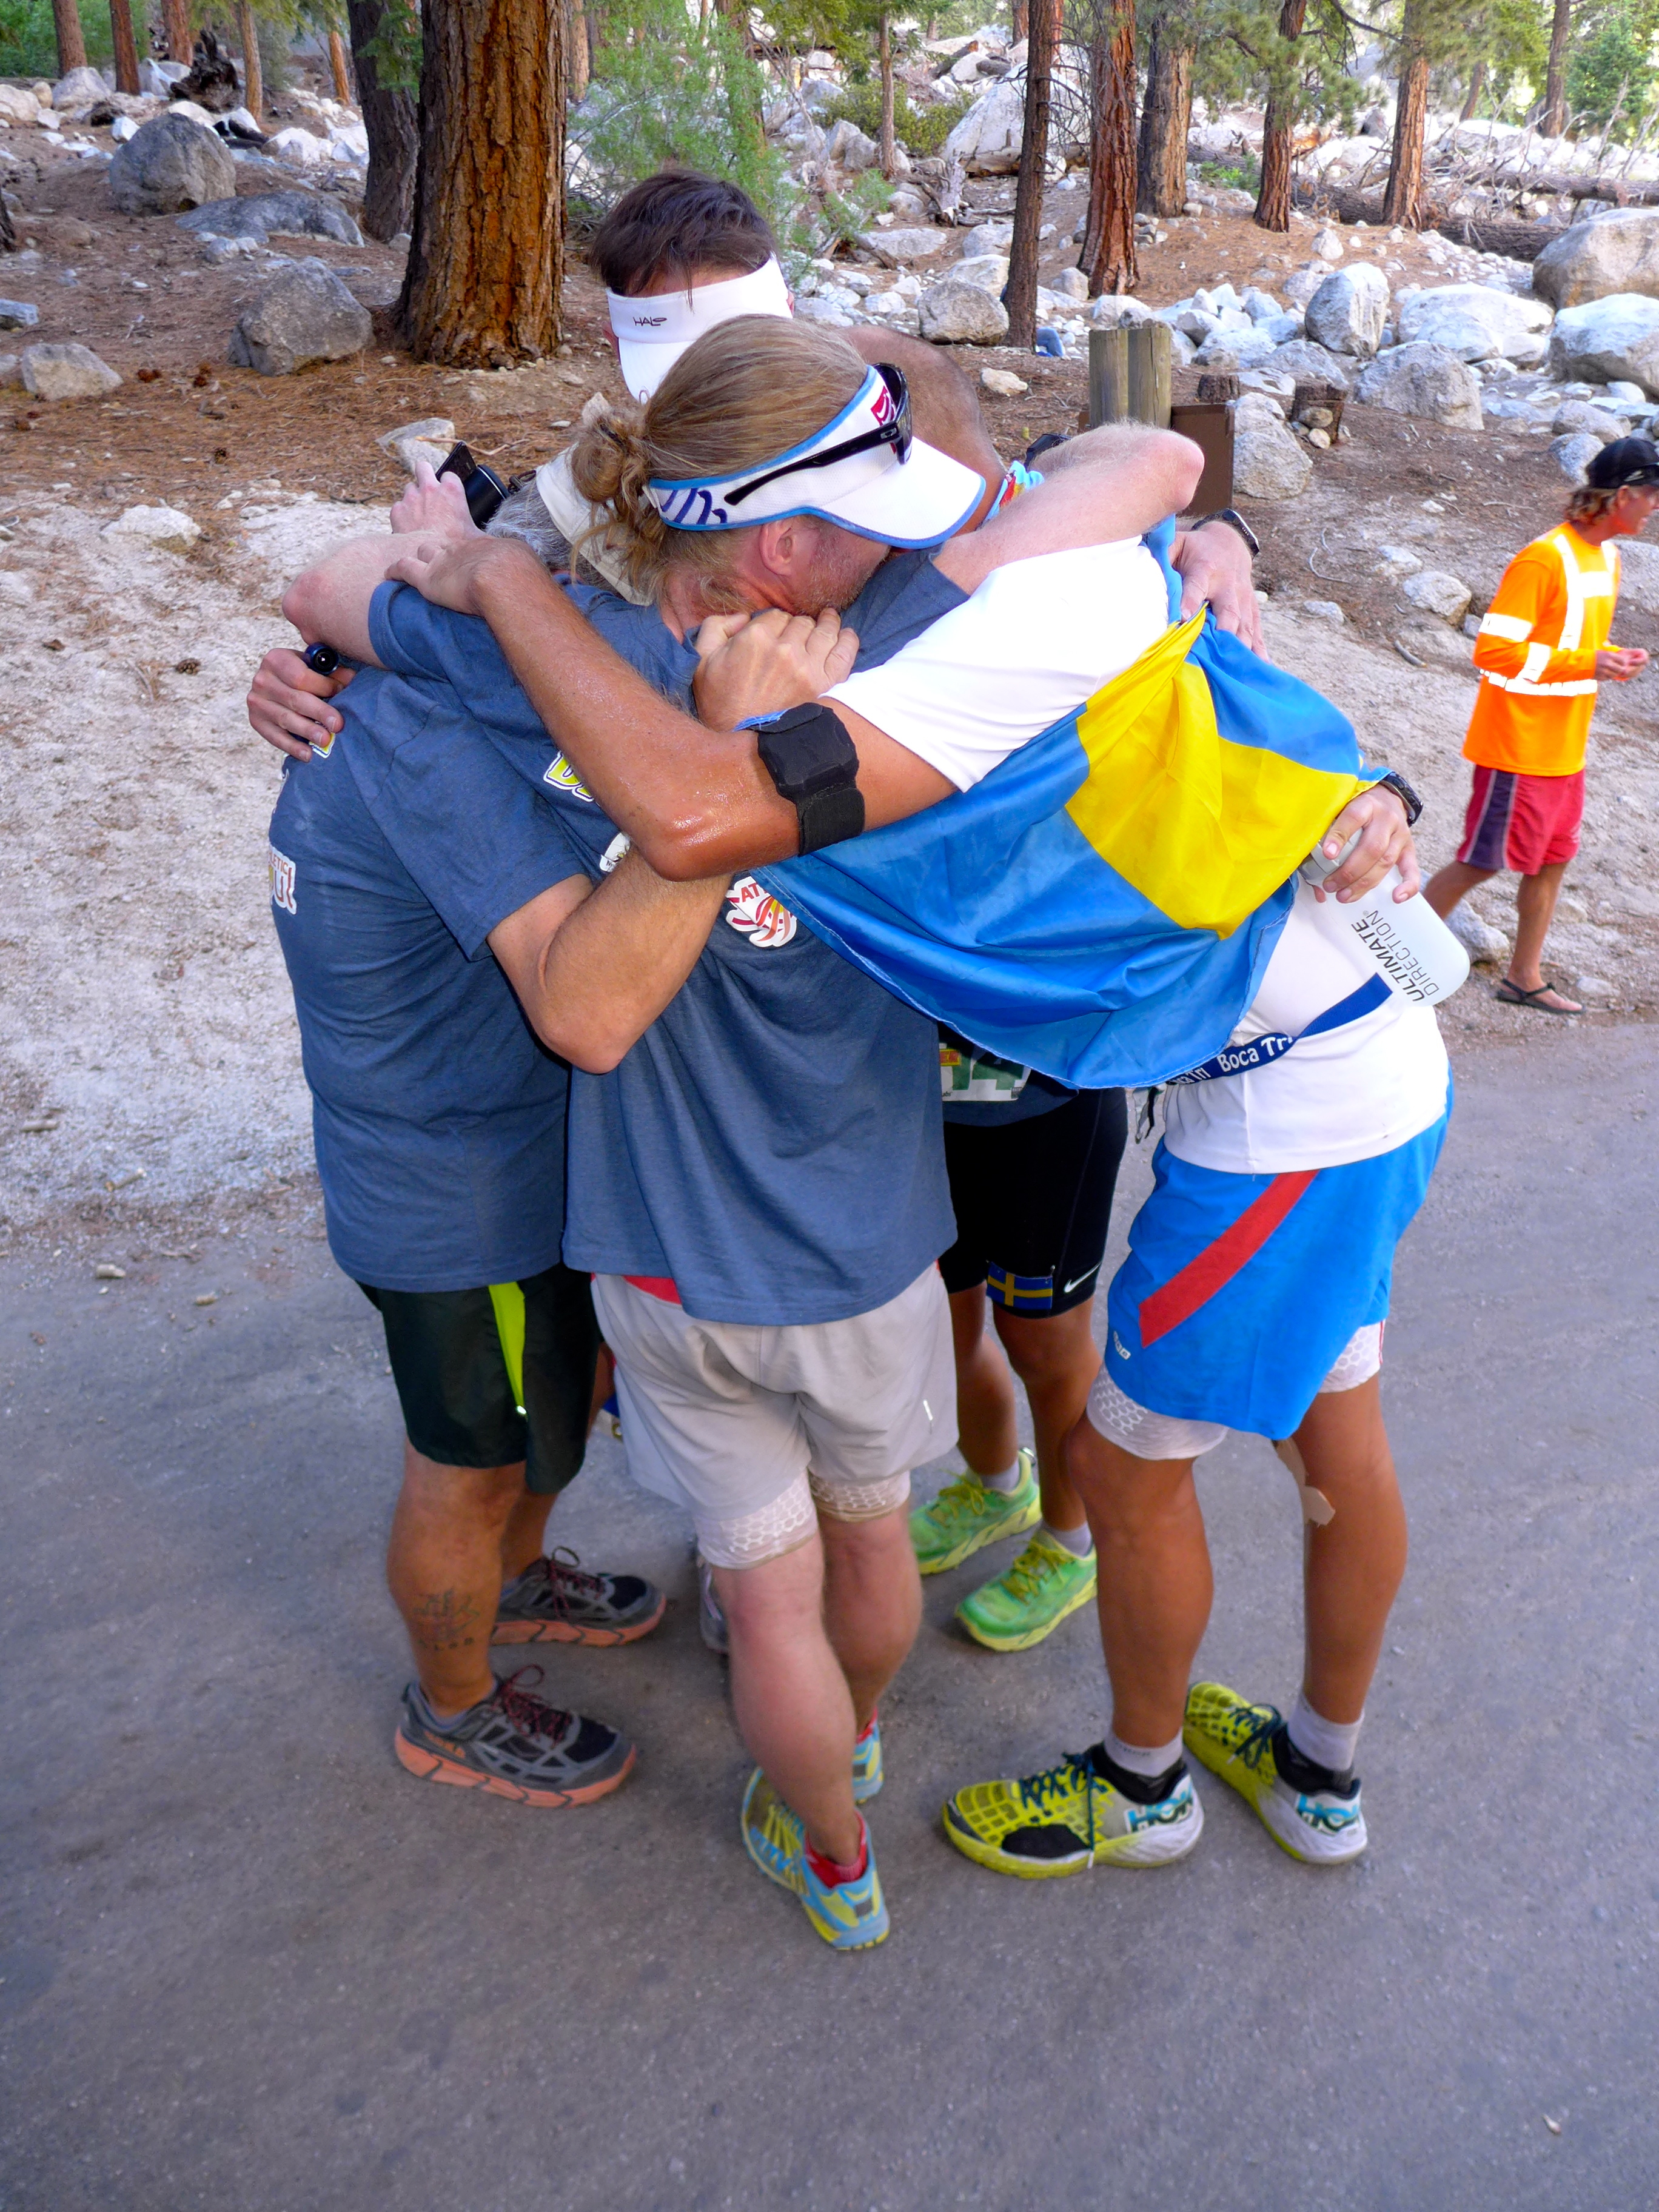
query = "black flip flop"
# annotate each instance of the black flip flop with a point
(1511, 994)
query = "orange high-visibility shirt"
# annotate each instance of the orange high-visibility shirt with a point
(1536, 654)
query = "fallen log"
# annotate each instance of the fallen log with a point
(1518, 241)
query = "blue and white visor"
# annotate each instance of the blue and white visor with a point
(653, 330)
(920, 500)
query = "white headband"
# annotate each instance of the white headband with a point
(652, 331)
(919, 501)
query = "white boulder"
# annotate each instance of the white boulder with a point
(66, 372)
(1268, 462)
(1614, 251)
(1615, 337)
(1477, 323)
(955, 313)
(1426, 381)
(1347, 312)
(987, 141)
(1436, 591)
(1573, 454)
(168, 527)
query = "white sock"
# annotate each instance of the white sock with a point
(1327, 1743)
(1006, 1483)
(1137, 1758)
(1078, 1541)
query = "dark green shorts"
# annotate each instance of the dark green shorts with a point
(491, 1377)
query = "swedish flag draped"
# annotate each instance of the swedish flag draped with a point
(1102, 905)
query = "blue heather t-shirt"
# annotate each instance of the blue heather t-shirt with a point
(439, 1119)
(773, 1144)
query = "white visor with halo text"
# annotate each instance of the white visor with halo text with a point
(921, 501)
(652, 332)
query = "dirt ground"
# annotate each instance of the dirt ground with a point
(149, 1083)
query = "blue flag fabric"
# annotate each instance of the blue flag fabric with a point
(1032, 914)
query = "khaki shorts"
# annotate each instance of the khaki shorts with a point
(754, 1430)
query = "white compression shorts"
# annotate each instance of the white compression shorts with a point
(1170, 1436)
(755, 1430)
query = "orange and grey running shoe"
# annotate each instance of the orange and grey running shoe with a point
(513, 1745)
(555, 1600)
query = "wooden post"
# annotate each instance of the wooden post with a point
(253, 82)
(126, 46)
(72, 46)
(1129, 376)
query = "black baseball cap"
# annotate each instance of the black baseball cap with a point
(1625, 461)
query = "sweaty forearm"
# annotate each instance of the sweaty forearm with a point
(695, 802)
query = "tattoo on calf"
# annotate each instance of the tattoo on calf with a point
(448, 1621)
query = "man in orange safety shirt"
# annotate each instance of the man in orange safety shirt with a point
(1542, 649)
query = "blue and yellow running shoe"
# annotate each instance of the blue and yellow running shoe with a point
(1312, 1814)
(852, 1916)
(1069, 1819)
(965, 1516)
(1031, 1597)
(867, 1775)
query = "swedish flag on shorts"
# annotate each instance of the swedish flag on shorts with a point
(1102, 905)
(1019, 1293)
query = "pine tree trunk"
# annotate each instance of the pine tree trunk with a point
(887, 145)
(336, 62)
(575, 30)
(1403, 200)
(175, 22)
(1165, 119)
(1019, 296)
(253, 80)
(1477, 86)
(1272, 200)
(72, 46)
(1554, 120)
(487, 264)
(126, 46)
(389, 119)
(1108, 258)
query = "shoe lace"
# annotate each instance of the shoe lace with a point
(566, 1578)
(966, 1494)
(1042, 1791)
(1029, 1573)
(1255, 1744)
(534, 1716)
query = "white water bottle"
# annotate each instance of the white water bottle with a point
(1407, 944)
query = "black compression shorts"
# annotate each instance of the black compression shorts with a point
(1032, 1202)
(487, 1378)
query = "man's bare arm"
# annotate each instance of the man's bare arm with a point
(593, 968)
(1117, 484)
(330, 599)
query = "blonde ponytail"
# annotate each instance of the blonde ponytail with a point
(747, 391)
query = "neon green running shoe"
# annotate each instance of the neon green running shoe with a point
(850, 1917)
(867, 1774)
(966, 1515)
(1029, 1600)
(1313, 1815)
(1068, 1820)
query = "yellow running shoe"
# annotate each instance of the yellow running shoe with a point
(1313, 1815)
(850, 1916)
(1069, 1819)
(966, 1515)
(1029, 1600)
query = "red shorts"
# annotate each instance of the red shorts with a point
(1522, 823)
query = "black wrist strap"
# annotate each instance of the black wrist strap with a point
(827, 817)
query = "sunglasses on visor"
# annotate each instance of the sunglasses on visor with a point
(895, 432)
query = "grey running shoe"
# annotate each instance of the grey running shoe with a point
(513, 1746)
(711, 1620)
(554, 1600)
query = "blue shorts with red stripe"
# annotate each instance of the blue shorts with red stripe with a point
(1241, 1290)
